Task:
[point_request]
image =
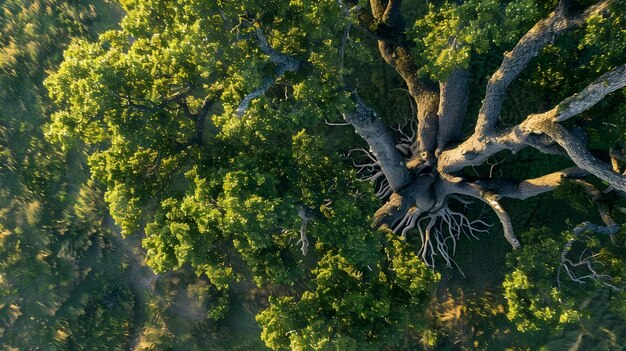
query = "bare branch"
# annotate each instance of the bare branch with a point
(539, 36)
(590, 227)
(492, 200)
(583, 270)
(611, 226)
(454, 96)
(530, 187)
(307, 215)
(369, 126)
(475, 151)
(591, 95)
(578, 152)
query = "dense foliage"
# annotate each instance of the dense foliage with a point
(59, 281)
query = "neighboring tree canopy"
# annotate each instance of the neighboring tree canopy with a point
(226, 132)
(60, 274)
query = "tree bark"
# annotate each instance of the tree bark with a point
(369, 126)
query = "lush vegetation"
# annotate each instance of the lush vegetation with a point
(209, 134)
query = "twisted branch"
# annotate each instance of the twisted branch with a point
(539, 36)
(285, 63)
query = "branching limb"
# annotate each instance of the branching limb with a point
(285, 63)
(492, 200)
(454, 96)
(307, 215)
(543, 132)
(382, 145)
(539, 36)
(583, 270)
(578, 152)
(585, 263)
(611, 227)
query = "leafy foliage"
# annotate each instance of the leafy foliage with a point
(449, 34)
(351, 309)
(539, 292)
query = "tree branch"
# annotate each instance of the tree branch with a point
(611, 226)
(258, 92)
(289, 63)
(454, 96)
(397, 55)
(477, 149)
(578, 152)
(492, 200)
(527, 188)
(540, 35)
(591, 95)
(369, 126)
(284, 62)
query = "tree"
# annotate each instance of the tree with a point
(215, 129)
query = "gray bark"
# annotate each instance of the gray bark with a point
(539, 36)
(454, 96)
(382, 145)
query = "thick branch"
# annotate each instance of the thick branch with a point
(454, 96)
(475, 151)
(591, 95)
(531, 132)
(201, 118)
(540, 35)
(397, 55)
(530, 187)
(578, 152)
(369, 126)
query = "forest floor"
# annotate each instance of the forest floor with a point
(247, 301)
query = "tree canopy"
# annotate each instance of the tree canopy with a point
(346, 148)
